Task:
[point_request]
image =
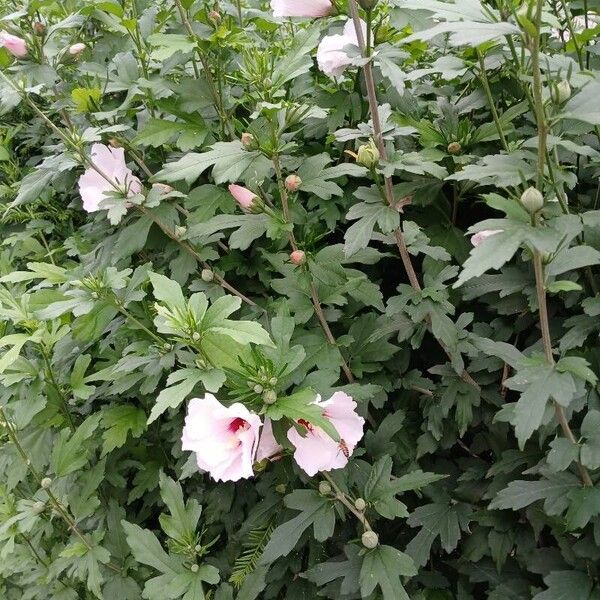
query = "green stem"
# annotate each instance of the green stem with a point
(488, 92)
(339, 495)
(54, 384)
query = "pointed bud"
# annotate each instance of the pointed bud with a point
(248, 200)
(368, 155)
(563, 92)
(292, 183)
(370, 539)
(298, 257)
(532, 200)
(454, 148)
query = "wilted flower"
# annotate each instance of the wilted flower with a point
(77, 49)
(301, 8)
(243, 196)
(316, 450)
(224, 439)
(482, 235)
(15, 45)
(95, 187)
(331, 57)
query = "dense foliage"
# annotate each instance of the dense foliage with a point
(211, 200)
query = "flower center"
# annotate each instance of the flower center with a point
(238, 424)
(305, 424)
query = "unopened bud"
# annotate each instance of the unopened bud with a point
(454, 148)
(207, 275)
(38, 507)
(46, 482)
(194, 568)
(214, 16)
(281, 488)
(273, 381)
(270, 397)
(248, 141)
(94, 295)
(198, 548)
(298, 257)
(258, 388)
(196, 336)
(39, 28)
(167, 347)
(532, 200)
(324, 488)
(368, 155)
(563, 91)
(76, 49)
(162, 188)
(292, 183)
(370, 539)
(360, 504)
(180, 231)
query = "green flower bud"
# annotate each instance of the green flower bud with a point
(281, 488)
(368, 155)
(370, 539)
(194, 568)
(180, 231)
(258, 388)
(196, 336)
(532, 200)
(273, 381)
(167, 347)
(324, 488)
(198, 548)
(270, 397)
(207, 275)
(46, 483)
(360, 504)
(563, 92)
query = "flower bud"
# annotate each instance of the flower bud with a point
(270, 397)
(273, 381)
(207, 275)
(198, 548)
(248, 141)
(167, 347)
(258, 389)
(39, 28)
(247, 199)
(454, 148)
(180, 231)
(281, 488)
(76, 49)
(292, 183)
(215, 16)
(324, 488)
(360, 504)
(368, 155)
(194, 568)
(196, 336)
(46, 483)
(38, 507)
(532, 200)
(94, 295)
(298, 257)
(563, 91)
(162, 188)
(370, 539)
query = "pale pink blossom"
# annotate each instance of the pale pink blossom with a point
(268, 446)
(331, 57)
(76, 49)
(301, 8)
(15, 45)
(483, 235)
(114, 176)
(224, 438)
(243, 196)
(316, 450)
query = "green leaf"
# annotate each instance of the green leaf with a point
(316, 176)
(181, 524)
(118, 422)
(566, 585)
(167, 290)
(383, 567)
(70, 453)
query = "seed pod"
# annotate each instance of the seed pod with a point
(370, 539)
(360, 504)
(207, 275)
(532, 200)
(324, 488)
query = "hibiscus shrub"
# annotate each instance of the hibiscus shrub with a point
(299, 299)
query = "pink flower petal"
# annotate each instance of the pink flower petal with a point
(243, 196)
(268, 446)
(483, 235)
(15, 45)
(301, 8)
